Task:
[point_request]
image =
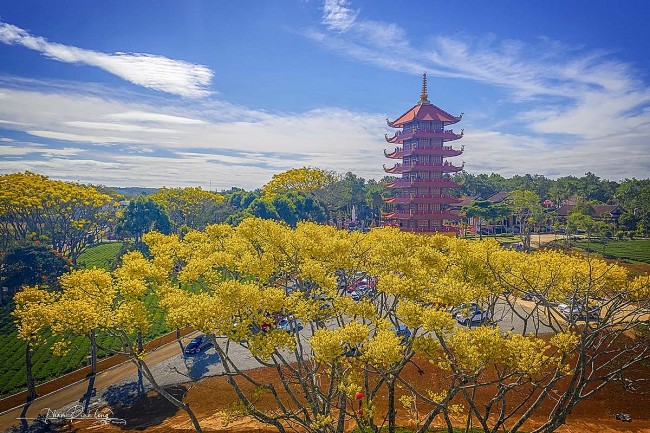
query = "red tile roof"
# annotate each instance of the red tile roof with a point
(566, 209)
(425, 112)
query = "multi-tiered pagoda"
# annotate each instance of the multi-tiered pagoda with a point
(421, 201)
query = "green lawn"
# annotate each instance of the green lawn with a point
(100, 256)
(636, 250)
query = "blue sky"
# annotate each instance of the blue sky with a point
(220, 94)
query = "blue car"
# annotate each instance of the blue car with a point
(403, 332)
(198, 345)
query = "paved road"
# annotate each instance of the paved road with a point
(76, 391)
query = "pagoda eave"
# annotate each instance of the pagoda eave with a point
(430, 230)
(393, 155)
(444, 151)
(422, 199)
(422, 215)
(442, 134)
(434, 183)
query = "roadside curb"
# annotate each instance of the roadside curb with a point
(19, 399)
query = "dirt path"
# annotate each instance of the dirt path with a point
(537, 240)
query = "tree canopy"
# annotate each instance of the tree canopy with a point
(65, 215)
(336, 354)
(305, 179)
(193, 208)
(141, 216)
(32, 264)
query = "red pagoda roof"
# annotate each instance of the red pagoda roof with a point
(424, 111)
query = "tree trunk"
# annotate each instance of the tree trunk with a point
(31, 385)
(391, 403)
(340, 426)
(93, 353)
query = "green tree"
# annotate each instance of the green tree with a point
(634, 196)
(141, 216)
(32, 264)
(526, 207)
(376, 192)
(263, 208)
(564, 188)
(481, 210)
(286, 209)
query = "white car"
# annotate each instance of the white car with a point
(470, 315)
(578, 311)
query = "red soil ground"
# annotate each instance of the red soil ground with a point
(211, 396)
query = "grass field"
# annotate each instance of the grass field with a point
(100, 256)
(636, 250)
(46, 365)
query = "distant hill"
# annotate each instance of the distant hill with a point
(133, 191)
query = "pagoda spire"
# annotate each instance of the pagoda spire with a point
(424, 95)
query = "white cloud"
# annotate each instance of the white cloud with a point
(197, 145)
(118, 127)
(142, 116)
(81, 138)
(337, 15)
(35, 148)
(148, 70)
(196, 137)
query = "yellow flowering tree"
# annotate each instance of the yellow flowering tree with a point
(33, 315)
(304, 180)
(193, 208)
(284, 295)
(66, 215)
(95, 300)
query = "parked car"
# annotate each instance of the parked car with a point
(472, 314)
(535, 297)
(290, 325)
(403, 332)
(198, 344)
(362, 291)
(578, 311)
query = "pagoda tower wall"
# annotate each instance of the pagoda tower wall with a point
(422, 199)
